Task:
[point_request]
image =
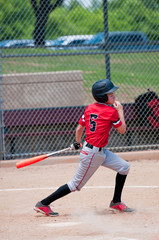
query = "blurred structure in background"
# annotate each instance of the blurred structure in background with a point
(51, 52)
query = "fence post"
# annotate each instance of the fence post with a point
(2, 146)
(106, 38)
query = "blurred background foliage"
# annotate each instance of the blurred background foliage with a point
(19, 24)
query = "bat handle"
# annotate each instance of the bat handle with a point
(60, 151)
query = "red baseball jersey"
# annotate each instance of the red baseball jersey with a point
(98, 119)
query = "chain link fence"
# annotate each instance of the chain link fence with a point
(51, 54)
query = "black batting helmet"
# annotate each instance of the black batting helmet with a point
(101, 88)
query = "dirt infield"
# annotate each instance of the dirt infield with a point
(83, 215)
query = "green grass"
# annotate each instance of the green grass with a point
(137, 69)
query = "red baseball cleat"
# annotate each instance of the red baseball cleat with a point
(40, 208)
(120, 206)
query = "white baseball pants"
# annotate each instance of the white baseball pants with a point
(91, 160)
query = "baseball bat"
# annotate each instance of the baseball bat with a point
(39, 158)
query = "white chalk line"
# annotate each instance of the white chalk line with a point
(86, 187)
(70, 224)
(124, 238)
(61, 224)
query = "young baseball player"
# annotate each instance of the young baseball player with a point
(97, 120)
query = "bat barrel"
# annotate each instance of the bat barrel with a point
(30, 161)
(36, 159)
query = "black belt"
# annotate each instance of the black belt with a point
(91, 146)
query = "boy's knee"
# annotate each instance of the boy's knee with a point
(72, 186)
(125, 169)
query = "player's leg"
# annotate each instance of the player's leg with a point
(122, 168)
(90, 160)
(43, 206)
(115, 163)
(59, 193)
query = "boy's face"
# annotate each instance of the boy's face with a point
(111, 98)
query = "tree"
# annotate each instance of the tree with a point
(73, 4)
(153, 4)
(96, 4)
(42, 11)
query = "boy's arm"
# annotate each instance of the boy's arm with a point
(119, 108)
(79, 131)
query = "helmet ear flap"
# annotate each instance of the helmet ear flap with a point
(101, 99)
(106, 97)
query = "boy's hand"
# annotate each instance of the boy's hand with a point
(75, 145)
(118, 106)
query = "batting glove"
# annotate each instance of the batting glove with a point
(75, 146)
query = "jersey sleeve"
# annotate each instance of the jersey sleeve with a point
(82, 121)
(116, 120)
